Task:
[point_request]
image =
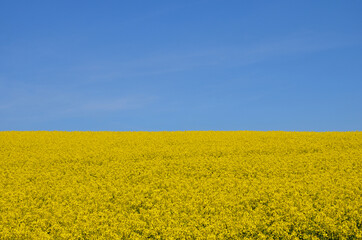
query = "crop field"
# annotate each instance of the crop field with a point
(181, 185)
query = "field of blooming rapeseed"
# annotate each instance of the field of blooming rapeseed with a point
(180, 185)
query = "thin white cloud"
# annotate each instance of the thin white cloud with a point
(115, 104)
(47, 102)
(5, 106)
(228, 55)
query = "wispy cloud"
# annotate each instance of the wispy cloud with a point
(113, 104)
(174, 61)
(5, 106)
(46, 102)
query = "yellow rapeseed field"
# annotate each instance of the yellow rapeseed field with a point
(181, 185)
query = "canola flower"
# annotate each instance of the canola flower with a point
(181, 185)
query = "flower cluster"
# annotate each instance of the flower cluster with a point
(180, 185)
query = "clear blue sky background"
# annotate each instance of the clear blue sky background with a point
(181, 65)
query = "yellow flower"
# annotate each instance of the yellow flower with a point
(180, 185)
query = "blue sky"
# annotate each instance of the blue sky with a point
(181, 65)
